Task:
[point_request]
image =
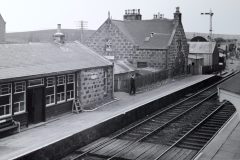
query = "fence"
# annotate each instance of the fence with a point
(212, 69)
(142, 80)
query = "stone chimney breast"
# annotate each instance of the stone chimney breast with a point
(178, 15)
(133, 14)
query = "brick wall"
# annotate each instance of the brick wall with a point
(91, 87)
(176, 58)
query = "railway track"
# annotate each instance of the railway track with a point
(193, 141)
(161, 134)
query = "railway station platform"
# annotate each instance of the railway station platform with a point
(51, 132)
(229, 149)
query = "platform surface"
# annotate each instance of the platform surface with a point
(232, 84)
(50, 132)
(230, 148)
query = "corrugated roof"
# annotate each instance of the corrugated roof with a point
(201, 47)
(232, 85)
(137, 31)
(20, 60)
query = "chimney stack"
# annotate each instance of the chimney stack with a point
(59, 37)
(178, 15)
(133, 14)
(59, 28)
(158, 16)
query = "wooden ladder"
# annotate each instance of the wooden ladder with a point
(76, 106)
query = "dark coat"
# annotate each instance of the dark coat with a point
(132, 82)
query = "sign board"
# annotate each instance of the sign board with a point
(94, 76)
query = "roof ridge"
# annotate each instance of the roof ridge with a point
(166, 19)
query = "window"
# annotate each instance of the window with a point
(50, 91)
(5, 99)
(70, 87)
(61, 88)
(105, 82)
(141, 64)
(108, 45)
(19, 97)
(35, 82)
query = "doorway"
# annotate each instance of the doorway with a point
(36, 105)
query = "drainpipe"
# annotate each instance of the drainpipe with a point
(113, 80)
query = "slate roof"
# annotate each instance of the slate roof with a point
(20, 60)
(137, 31)
(232, 84)
(2, 18)
(122, 66)
(201, 47)
(194, 56)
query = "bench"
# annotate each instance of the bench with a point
(8, 126)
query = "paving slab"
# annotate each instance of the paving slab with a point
(230, 149)
(36, 138)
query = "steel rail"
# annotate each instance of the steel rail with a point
(106, 142)
(165, 124)
(189, 132)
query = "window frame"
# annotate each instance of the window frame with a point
(71, 91)
(63, 83)
(53, 85)
(24, 98)
(40, 84)
(10, 100)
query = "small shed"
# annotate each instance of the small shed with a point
(122, 71)
(195, 64)
(208, 51)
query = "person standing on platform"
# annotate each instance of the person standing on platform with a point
(132, 85)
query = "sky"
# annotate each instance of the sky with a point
(29, 15)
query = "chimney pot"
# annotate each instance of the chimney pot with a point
(177, 9)
(132, 14)
(178, 16)
(59, 36)
(59, 28)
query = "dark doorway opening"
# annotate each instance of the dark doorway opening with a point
(36, 105)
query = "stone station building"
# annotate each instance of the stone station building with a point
(40, 80)
(158, 43)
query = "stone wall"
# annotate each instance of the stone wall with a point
(155, 58)
(122, 48)
(93, 87)
(108, 40)
(119, 45)
(2, 30)
(178, 58)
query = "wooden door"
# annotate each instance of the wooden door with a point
(36, 105)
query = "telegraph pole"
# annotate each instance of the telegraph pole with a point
(82, 25)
